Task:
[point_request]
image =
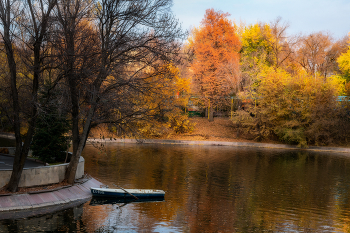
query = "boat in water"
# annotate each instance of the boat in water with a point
(127, 193)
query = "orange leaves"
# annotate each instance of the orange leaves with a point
(215, 45)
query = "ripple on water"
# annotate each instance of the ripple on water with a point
(215, 189)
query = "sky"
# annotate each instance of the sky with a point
(303, 16)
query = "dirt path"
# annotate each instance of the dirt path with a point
(221, 129)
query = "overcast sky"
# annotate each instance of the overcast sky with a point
(303, 16)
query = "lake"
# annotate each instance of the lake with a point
(210, 189)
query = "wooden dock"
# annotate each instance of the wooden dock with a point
(74, 194)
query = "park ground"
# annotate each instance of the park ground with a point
(221, 129)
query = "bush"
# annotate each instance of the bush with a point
(180, 123)
(297, 109)
(49, 141)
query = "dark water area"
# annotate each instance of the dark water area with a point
(210, 189)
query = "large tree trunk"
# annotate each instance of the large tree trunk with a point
(18, 162)
(73, 165)
(77, 141)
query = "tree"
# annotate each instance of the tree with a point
(75, 45)
(30, 19)
(344, 62)
(164, 107)
(215, 66)
(128, 40)
(281, 45)
(50, 140)
(313, 53)
(255, 53)
(296, 109)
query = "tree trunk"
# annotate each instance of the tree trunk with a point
(73, 165)
(75, 113)
(18, 162)
(22, 150)
(211, 115)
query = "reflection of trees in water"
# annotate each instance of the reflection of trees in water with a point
(67, 221)
(210, 189)
(213, 189)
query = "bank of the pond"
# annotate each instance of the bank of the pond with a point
(30, 204)
(219, 132)
(221, 143)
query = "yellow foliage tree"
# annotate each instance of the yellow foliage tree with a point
(165, 107)
(255, 54)
(297, 109)
(344, 62)
(255, 41)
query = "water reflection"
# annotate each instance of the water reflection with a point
(218, 189)
(64, 221)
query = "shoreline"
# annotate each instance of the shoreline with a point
(29, 204)
(222, 143)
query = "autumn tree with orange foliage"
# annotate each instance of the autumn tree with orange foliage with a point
(215, 66)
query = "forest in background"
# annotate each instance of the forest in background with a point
(293, 88)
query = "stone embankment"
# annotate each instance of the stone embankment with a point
(28, 204)
(35, 173)
(44, 201)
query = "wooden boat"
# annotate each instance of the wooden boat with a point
(127, 193)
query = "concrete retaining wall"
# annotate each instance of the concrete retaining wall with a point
(42, 175)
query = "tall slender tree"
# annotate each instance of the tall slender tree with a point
(215, 67)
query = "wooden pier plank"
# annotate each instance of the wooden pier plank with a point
(5, 202)
(11, 201)
(35, 199)
(79, 192)
(48, 197)
(67, 194)
(90, 184)
(84, 188)
(59, 196)
(22, 200)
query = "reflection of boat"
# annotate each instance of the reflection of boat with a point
(104, 201)
(127, 193)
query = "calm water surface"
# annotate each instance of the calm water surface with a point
(210, 189)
